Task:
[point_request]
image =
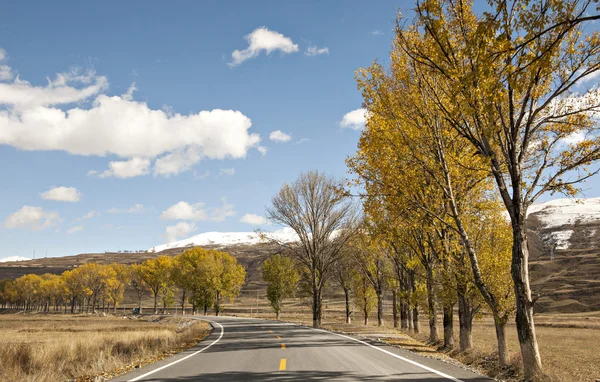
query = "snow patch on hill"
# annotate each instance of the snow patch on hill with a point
(560, 216)
(13, 258)
(285, 235)
(560, 212)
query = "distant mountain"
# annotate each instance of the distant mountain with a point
(13, 258)
(566, 223)
(284, 235)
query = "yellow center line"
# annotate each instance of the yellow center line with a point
(282, 364)
(283, 346)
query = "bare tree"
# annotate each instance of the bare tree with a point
(324, 220)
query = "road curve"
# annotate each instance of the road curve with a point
(245, 349)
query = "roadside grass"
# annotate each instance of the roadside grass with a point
(568, 342)
(83, 347)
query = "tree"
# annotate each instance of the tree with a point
(344, 273)
(505, 82)
(138, 283)
(282, 278)
(116, 284)
(364, 296)
(226, 277)
(155, 273)
(324, 221)
(371, 257)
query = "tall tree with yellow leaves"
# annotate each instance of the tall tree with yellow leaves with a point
(506, 81)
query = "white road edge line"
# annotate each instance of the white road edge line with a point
(393, 355)
(184, 358)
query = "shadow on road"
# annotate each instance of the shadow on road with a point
(298, 376)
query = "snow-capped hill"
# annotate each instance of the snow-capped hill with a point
(559, 212)
(285, 235)
(563, 219)
(13, 258)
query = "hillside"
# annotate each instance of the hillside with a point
(563, 238)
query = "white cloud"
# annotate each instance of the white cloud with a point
(354, 119)
(72, 113)
(181, 229)
(198, 212)
(89, 215)
(128, 95)
(279, 136)
(176, 162)
(126, 169)
(227, 171)
(75, 229)
(574, 138)
(263, 39)
(32, 218)
(263, 150)
(62, 194)
(5, 73)
(376, 32)
(253, 219)
(313, 50)
(135, 209)
(5, 70)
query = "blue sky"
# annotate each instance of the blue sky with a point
(130, 84)
(125, 126)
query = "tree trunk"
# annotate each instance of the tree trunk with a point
(316, 303)
(156, 303)
(217, 303)
(277, 315)
(465, 318)
(530, 354)
(448, 326)
(416, 324)
(432, 308)
(501, 337)
(403, 315)
(183, 303)
(379, 307)
(140, 304)
(395, 308)
(348, 312)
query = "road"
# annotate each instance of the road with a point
(245, 349)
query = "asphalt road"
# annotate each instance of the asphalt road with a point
(244, 349)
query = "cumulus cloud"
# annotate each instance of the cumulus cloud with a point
(135, 209)
(73, 113)
(227, 171)
(354, 119)
(176, 162)
(315, 51)
(263, 39)
(62, 194)
(75, 229)
(198, 212)
(32, 218)
(279, 136)
(262, 150)
(253, 219)
(181, 229)
(125, 169)
(5, 70)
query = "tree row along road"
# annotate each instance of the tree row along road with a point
(243, 349)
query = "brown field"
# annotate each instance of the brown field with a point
(81, 347)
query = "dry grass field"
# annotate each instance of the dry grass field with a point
(60, 348)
